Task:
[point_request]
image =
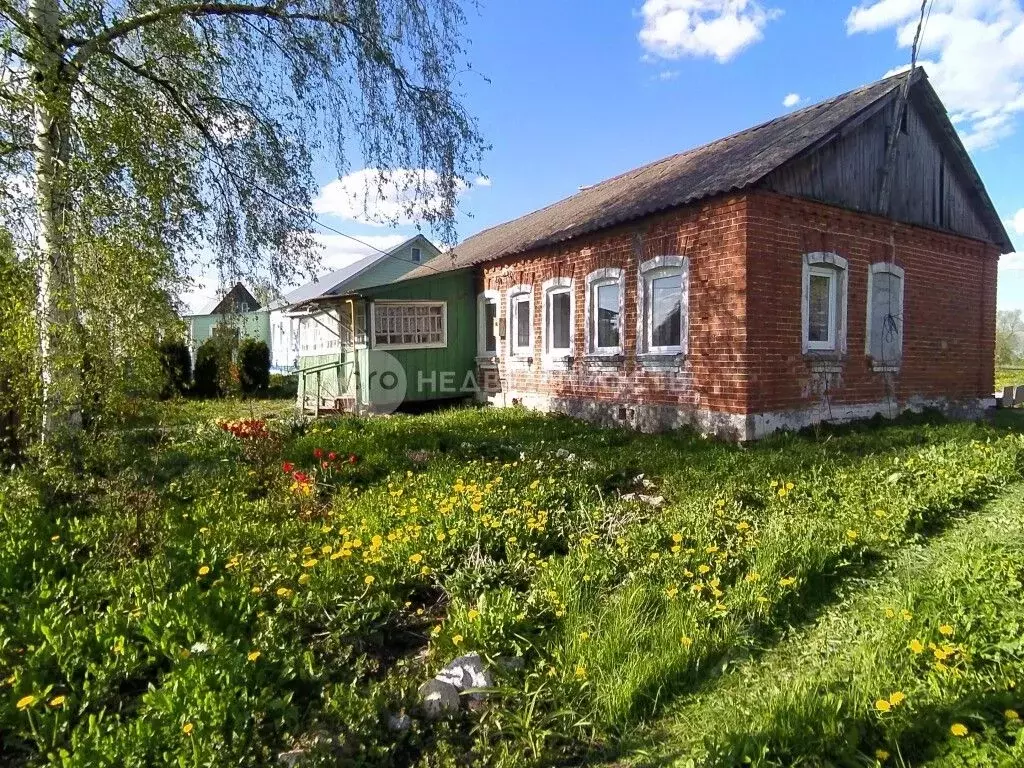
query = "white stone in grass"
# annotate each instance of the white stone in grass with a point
(466, 672)
(438, 698)
(291, 757)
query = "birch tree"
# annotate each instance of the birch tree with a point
(135, 134)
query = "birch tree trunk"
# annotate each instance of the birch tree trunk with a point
(60, 346)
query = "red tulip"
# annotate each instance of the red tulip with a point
(332, 456)
(318, 452)
(287, 466)
(351, 458)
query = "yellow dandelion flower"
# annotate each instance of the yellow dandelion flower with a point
(958, 729)
(906, 615)
(186, 728)
(788, 581)
(897, 697)
(369, 580)
(310, 563)
(26, 701)
(203, 570)
(703, 568)
(584, 636)
(752, 577)
(415, 558)
(916, 646)
(883, 705)
(851, 534)
(425, 570)
(326, 549)
(671, 592)
(304, 579)
(677, 537)
(473, 614)
(253, 655)
(457, 639)
(946, 629)
(581, 672)
(881, 755)
(1011, 714)
(307, 551)
(284, 592)
(57, 701)
(686, 640)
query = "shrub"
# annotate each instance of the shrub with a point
(176, 364)
(207, 372)
(253, 366)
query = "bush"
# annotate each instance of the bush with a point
(283, 386)
(176, 364)
(206, 376)
(253, 366)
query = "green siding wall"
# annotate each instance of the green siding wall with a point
(250, 325)
(428, 370)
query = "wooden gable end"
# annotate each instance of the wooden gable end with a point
(933, 182)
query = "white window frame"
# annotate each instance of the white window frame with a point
(658, 267)
(514, 294)
(598, 279)
(556, 286)
(885, 267)
(417, 255)
(482, 300)
(396, 302)
(836, 268)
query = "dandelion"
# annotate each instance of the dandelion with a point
(1011, 714)
(581, 672)
(686, 640)
(788, 581)
(946, 629)
(284, 592)
(55, 538)
(881, 755)
(457, 639)
(677, 537)
(883, 705)
(304, 579)
(906, 615)
(256, 590)
(958, 729)
(897, 697)
(307, 551)
(473, 614)
(415, 558)
(326, 549)
(203, 570)
(368, 580)
(26, 701)
(671, 592)
(851, 534)
(584, 636)
(916, 646)
(186, 728)
(752, 577)
(57, 701)
(253, 655)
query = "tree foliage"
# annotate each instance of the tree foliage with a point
(176, 364)
(137, 134)
(19, 376)
(253, 366)
(1009, 337)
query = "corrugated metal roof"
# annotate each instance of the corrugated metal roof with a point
(728, 164)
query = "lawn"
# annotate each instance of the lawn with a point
(198, 597)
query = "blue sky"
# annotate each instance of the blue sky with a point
(580, 90)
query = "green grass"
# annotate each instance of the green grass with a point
(183, 599)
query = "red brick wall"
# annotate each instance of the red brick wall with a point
(712, 236)
(745, 261)
(949, 306)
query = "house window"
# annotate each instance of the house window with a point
(417, 255)
(520, 320)
(410, 325)
(823, 306)
(663, 301)
(558, 315)
(884, 337)
(604, 312)
(487, 314)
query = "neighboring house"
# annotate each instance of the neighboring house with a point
(752, 284)
(237, 312)
(348, 316)
(284, 337)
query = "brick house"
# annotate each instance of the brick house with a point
(754, 284)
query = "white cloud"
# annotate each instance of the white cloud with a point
(1017, 222)
(668, 74)
(394, 198)
(973, 51)
(791, 100)
(718, 28)
(1012, 262)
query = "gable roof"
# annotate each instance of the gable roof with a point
(334, 283)
(733, 163)
(238, 299)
